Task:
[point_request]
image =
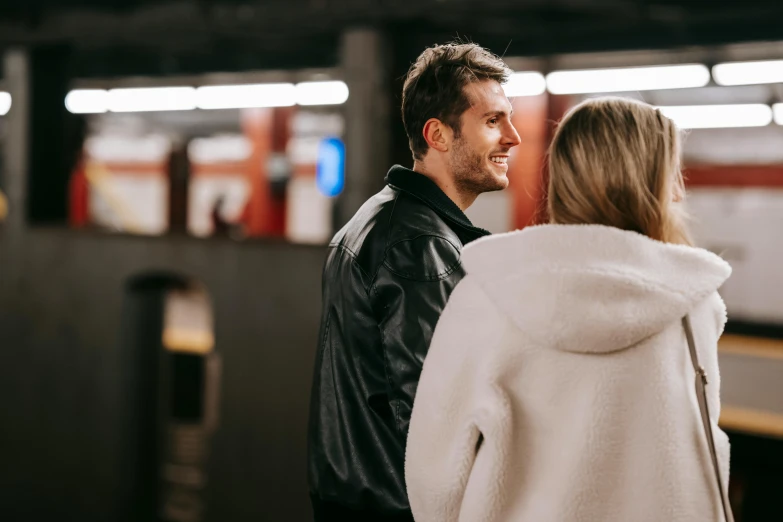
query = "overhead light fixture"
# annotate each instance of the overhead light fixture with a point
(94, 101)
(321, 93)
(87, 101)
(246, 96)
(5, 103)
(719, 116)
(748, 73)
(148, 99)
(628, 79)
(777, 109)
(525, 84)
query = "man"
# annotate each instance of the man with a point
(388, 275)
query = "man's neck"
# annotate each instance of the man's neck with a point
(445, 181)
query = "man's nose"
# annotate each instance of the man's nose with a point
(511, 137)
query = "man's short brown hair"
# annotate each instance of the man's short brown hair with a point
(435, 87)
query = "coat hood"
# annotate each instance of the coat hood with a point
(591, 288)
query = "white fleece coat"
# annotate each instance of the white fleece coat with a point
(561, 356)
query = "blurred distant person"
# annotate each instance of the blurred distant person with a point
(388, 275)
(220, 225)
(560, 381)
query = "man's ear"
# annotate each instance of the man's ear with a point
(438, 135)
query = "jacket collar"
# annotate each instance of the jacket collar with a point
(423, 188)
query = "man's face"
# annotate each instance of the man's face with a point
(479, 156)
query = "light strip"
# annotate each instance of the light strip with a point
(777, 109)
(525, 84)
(148, 99)
(94, 101)
(719, 116)
(321, 93)
(87, 101)
(628, 79)
(246, 96)
(748, 73)
(5, 103)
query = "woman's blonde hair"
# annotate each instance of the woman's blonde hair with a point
(616, 162)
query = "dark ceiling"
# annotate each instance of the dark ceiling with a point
(174, 36)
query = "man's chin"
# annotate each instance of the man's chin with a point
(488, 182)
(498, 183)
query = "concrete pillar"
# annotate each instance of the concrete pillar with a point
(16, 75)
(365, 69)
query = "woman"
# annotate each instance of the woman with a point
(559, 384)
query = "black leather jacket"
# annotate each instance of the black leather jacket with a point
(388, 275)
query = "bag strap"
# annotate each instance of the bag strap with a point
(701, 395)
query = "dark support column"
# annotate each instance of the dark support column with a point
(55, 136)
(365, 68)
(403, 53)
(179, 176)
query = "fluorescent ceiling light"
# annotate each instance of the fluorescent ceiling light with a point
(5, 103)
(246, 96)
(152, 99)
(87, 101)
(719, 116)
(778, 110)
(321, 93)
(93, 101)
(628, 79)
(525, 84)
(748, 73)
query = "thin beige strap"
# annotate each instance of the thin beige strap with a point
(701, 395)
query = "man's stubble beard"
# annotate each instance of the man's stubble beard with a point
(470, 173)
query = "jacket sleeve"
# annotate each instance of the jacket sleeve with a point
(408, 296)
(461, 423)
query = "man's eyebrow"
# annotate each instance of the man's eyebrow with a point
(497, 113)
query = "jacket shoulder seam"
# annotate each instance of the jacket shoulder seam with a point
(354, 259)
(435, 277)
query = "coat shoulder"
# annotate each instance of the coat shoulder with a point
(421, 246)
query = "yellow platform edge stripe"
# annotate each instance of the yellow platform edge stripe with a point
(751, 346)
(755, 422)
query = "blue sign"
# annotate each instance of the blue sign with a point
(330, 168)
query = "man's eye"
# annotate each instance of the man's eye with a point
(493, 121)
